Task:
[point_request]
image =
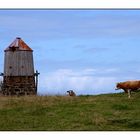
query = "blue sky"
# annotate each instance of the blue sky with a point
(88, 51)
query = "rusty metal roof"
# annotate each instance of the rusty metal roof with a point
(18, 44)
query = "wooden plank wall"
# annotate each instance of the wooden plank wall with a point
(18, 63)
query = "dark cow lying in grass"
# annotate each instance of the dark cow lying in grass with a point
(128, 86)
(71, 93)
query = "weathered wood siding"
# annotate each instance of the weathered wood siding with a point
(18, 63)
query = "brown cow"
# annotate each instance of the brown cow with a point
(128, 86)
(71, 93)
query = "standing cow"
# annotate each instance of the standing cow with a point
(71, 93)
(128, 86)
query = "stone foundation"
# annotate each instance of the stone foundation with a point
(19, 85)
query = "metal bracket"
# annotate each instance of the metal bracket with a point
(1, 74)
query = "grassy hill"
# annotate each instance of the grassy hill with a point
(100, 112)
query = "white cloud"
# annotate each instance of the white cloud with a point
(82, 81)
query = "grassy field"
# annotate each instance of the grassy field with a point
(86, 113)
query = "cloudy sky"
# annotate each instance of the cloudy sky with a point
(88, 51)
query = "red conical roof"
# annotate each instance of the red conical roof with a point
(18, 44)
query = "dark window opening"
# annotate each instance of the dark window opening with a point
(13, 49)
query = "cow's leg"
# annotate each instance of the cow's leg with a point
(125, 90)
(129, 93)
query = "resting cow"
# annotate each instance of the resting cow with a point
(128, 86)
(71, 93)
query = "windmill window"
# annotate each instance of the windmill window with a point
(10, 67)
(13, 49)
(22, 66)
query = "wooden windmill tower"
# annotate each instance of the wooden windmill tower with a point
(19, 77)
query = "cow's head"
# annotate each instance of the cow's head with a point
(67, 93)
(118, 86)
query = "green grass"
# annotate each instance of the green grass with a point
(110, 112)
